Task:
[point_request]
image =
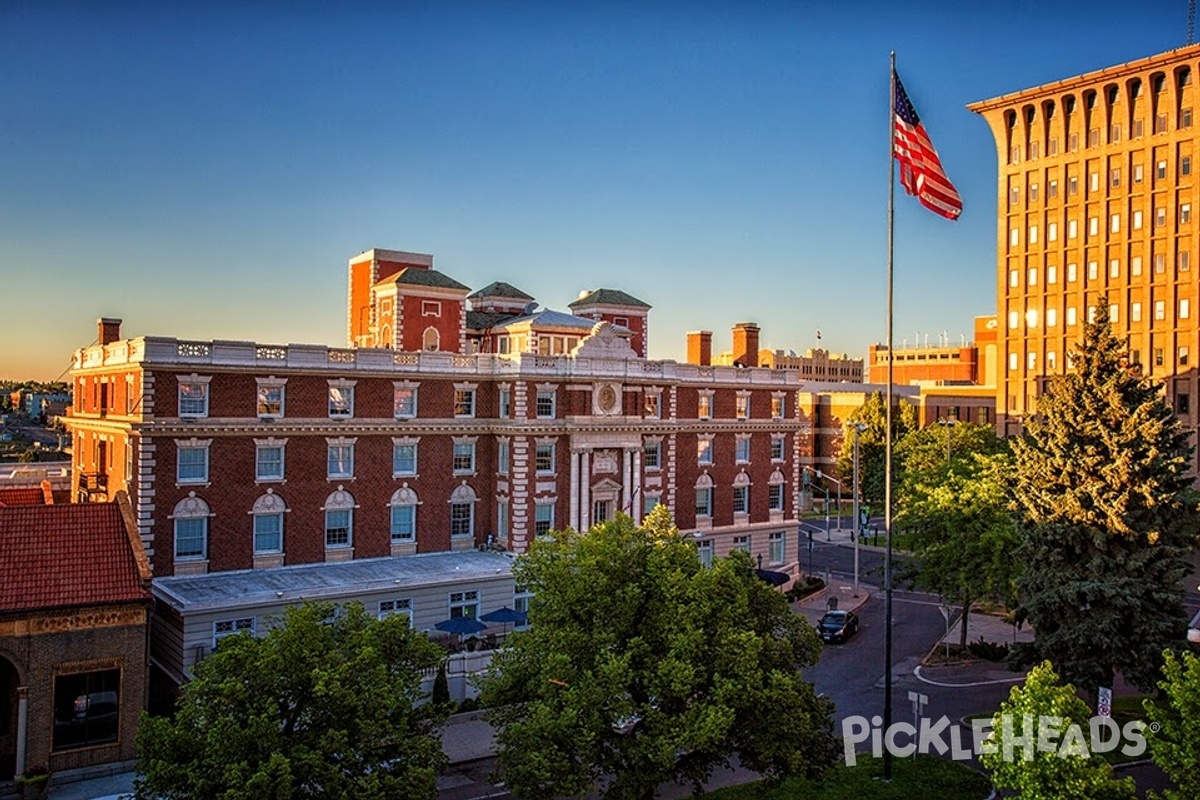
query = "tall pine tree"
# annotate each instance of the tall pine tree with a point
(1108, 518)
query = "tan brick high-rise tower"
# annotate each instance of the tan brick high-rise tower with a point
(1098, 198)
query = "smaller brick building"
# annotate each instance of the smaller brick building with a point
(74, 604)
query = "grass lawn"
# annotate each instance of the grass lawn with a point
(954, 781)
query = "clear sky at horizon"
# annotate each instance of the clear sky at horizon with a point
(205, 169)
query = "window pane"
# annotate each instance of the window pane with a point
(268, 533)
(86, 708)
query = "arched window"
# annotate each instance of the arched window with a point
(191, 528)
(404, 515)
(339, 519)
(777, 485)
(741, 493)
(462, 511)
(431, 340)
(704, 487)
(267, 512)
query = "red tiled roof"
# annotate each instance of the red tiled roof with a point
(66, 555)
(22, 496)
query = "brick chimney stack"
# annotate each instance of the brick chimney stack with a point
(110, 330)
(745, 344)
(699, 348)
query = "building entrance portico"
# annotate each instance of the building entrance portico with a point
(605, 477)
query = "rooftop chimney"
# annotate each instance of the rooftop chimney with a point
(745, 344)
(699, 348)
(110, 330)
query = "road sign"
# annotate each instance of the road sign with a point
(1104, 707)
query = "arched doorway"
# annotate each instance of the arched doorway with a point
(8, 719)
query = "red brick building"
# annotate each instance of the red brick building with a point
(73, 634)
(243, 455)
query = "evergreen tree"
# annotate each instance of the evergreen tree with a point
(1108, 518)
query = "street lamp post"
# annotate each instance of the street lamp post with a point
(859, 427)
(839, 501)
(948, 423)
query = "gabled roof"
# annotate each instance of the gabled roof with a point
(608, 297)
(482, 320)
(501, 289)
(550, 319)
(423, 277)
(22, 496)
(78, 554)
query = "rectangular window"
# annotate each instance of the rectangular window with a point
(776, 408)
(741, 499)
(404, 458)
(741, 543)
(1014, 196)
(1160, 170)
(1185, 213)
(1185, 118)
(1014, 237)
(649, 501)
(1052, 189)
(87, 709)
(1033, 275)
(1135, 312)
(404, 402)
(464, 457)
(543, 518)
(193, 399)
(341, 461)
(1185, 261)
(1158, 356)
(1051, 274)
(268, 463)
(705, 551)
(1033, 192)
(1185, 165)
(1160, 263)
(1073, 142)
(1114, 178)
(502, 519)
(777, 448)
(191, 538)
(775, 548)
(1183, 356)
(545, 404)
(1137, 220)
(652, 454)
(1137, 173)
(270, 401)
(1014, 278)
(1072, 185)
(462, 520)
(401, 606)
(232, 627)
(193, 464)
(1114, 268)
(775, 497)
(1185, 309)
(337, 527)
(1137, 129)
(742, 406)
(1051, 317)
(1093, 271)
(464, 402)
(1033, 234)
(1114, 223)
(1094, 137)
(502, 457)
(505, 403)
(1114, 134)
(1160, 310)
(1072, 228)
(704, 453)
(404, 523)
(1182, 404)
(1013, 362)
(742, 449)
(1160, 123)
(1070, 315)
(1093, 226)
(652, 404)
(464, 604)
(341, 402)
(1135, 266)
(544, 459)
(1052, 232)
(704, 501)
(1114, 312)
(1094, 181)
(704, 405)
(268, 533)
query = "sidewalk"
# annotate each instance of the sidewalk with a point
(816, 605)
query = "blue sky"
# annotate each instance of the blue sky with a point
(205, 170)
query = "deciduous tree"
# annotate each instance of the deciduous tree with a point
(1175, 746)
(1109, 518)
(641, 666)
(323, 706)
(872, 443)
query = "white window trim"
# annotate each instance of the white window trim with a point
(282, 445)
(406, 441)
(271, 382)
(206, 380)
(194, 444)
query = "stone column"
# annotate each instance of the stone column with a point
(637, 502)
(22, 724)
(573, 519)
(585, 475)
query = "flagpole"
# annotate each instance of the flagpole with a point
(887, 479)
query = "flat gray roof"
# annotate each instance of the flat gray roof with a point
(330, 581)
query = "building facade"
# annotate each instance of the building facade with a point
(1097, 204)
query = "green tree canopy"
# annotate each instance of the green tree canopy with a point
(1063, 773)
(872, 444)
(1175, 746)
(961, 527)
(1109, 518)
(325, 705)
(640, 666)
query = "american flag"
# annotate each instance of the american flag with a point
(921, 171)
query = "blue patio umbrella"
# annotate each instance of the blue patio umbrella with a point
(463, 626)
(506, 615)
